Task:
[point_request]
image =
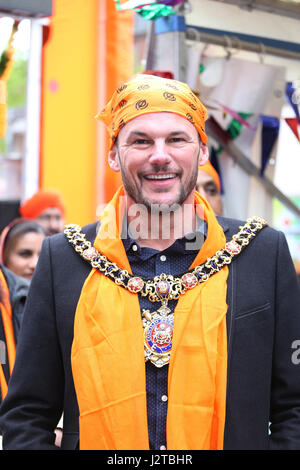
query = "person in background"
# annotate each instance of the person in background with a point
(20, 246)
(209, 186)
(21, 243)
(13, 294)
(47, 208)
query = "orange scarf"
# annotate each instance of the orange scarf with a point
(108, 355)
(6, 317)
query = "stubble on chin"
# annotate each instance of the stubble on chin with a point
(135, 192)
(154, 204)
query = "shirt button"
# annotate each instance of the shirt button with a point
(134, 247)
(163, 258)
(164, 398)
(163, 448)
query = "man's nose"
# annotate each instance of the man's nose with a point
(53, 225)
(201, 191)
(160, 153)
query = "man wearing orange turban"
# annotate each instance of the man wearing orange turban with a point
(47, 208)
(161, 327)
(209, 186)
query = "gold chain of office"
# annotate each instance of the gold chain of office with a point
(158, 325)
(165, 286)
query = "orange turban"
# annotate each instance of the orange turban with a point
(39, 202)
(209, 169)
(152, 94)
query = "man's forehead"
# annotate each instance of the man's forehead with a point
(163, 121)
(204, 178)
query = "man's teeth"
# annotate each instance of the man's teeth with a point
(160, 177)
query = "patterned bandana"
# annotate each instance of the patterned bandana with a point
(151, 94)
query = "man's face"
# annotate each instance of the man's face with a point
(52, 220)
(158, 155)
(208, 188)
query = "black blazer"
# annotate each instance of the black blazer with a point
(263, 323)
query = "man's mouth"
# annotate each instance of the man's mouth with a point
(161, 177)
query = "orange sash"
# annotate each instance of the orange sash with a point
(6, 316)
(108, 355)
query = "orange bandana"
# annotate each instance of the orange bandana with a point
(151, 94)
(108, 354)
(6, 317)
(39, 202)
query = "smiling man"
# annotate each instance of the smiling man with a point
(158, 156)
(159, 165)
(146, 341)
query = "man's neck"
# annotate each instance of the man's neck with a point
(158, 230)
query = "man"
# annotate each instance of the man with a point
(47, 208)
(158, 328)
(209, 186)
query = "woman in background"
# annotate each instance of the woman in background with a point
(21, 243)
(20, 246)
(19, 249)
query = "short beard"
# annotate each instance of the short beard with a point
(138, 197)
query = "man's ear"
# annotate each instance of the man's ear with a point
(113, 159)
(203, 156)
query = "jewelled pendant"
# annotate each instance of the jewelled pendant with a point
(158, 334)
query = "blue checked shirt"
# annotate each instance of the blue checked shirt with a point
(149, 263)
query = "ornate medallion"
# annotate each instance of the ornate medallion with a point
(162, 288)
(158, 335)
(135, 284)
(89, 253)
(233, 247)
(189, 280)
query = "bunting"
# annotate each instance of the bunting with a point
(215, 163)
(293, 124)
(290, 93)
(233, 131)
(149, 10)
(235, 126)
(270, 131)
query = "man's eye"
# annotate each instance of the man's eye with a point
(177, 140)
(211, 189)
(141, 142)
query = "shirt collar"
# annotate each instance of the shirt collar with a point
(191, 242)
